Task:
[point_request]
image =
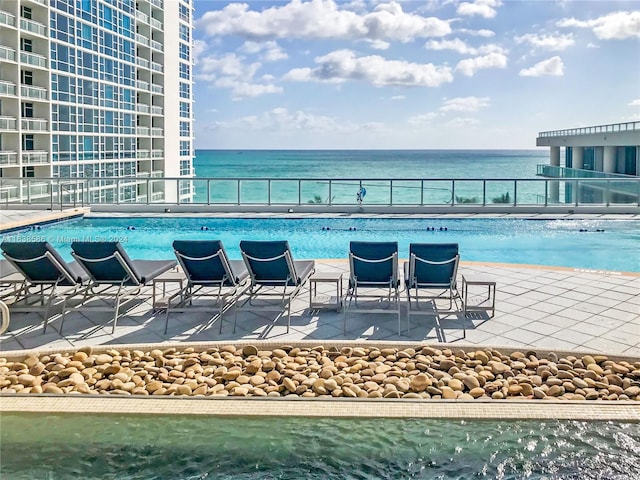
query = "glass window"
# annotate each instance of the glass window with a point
(26, 77)
(184, 12)
(184, 33)
(26, 45)
(185, 90)
(25, 12)
(27, 142)
(27, 110)
(184, 51)
(185, 110)
(185, 129)
(185, 148)
(185, 71)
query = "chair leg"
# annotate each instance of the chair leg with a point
(166, 320)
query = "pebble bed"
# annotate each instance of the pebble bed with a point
(360, 372)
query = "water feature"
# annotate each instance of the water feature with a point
(182, 447)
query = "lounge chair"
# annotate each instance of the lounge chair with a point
(43, 275)
(207, 267)
(274, 273)
(432, 267)
(121, 278)
(11, 280)
(373, 279)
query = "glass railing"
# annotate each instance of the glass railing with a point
(157, 132)
(156, 88)
(565, 172)
(8, 158)
(157, 67)
(8, 123)
(7, 19)
(156, 24)
(33, 27)
(142, 39)
(7, 53)
(156, 110)
(34, 124)
(143, 17)
(156, 45)
(35, 157)
(142, 108)
(157, 153)
(415, 195)
(142, 85)
(7, 88)
(157, 3)
(143, 131)
(142, 62)
(33, 59)
(36, 93)
(613, 127)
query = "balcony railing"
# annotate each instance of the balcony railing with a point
(7, 19)
(7, 88)
(157, 88)
(157, 67)
(142, 85)
(142, 62)
(35, 93)
(142, 154)
(35, 157)
(142, 108)
(143, 17)
(157, 3)
(157, 153)
(383, 195)
(7, 53)
(613, 127)
(8, 123)
(564, 172)
(143, 131)
(33, 59)
(157, 132)
(8, 158)
(156, 110)
(142, 39)
(33, 27)
(157, 45)
(156, 24)
(34, 124)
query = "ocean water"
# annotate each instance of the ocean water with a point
(352, 167)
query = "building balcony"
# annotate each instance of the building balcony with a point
(34, 157)
(33, 59)
(7, 19)
(157, 153)
(142, 108)
(8, 124)
(34, 93)
(157, 67)
(8, 158)
(142, 17)
(156, 110)
(142, 62)
(157, 88)
(551, 171)
(34, 124)
(157, 45)
(39, 2)
(33, 27)
(143, 131)
(141, 39)
(157, 132)
(157, 3)
(143, 154)
(142, 85)
(157, 24)
(7, 88)
(7, 53)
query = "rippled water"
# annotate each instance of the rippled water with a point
(181, 447)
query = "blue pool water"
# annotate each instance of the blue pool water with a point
(181, 447)
(590, 244)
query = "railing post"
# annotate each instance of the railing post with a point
(421, 193)
(28, 192)
(515, 192)
(299, 192)
(269, 192)
(208, 191)
(608, 192)
(148, 191)
(484, 193)
(453, 192)
(331, 199)
(391, 192)
(238, 200)
(546, 193)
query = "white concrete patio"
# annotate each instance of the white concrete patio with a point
(536, 307)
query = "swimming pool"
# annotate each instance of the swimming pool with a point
(590, 244)
(70, 446)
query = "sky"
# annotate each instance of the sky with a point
(429, 74)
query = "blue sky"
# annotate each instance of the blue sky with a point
(411, 74)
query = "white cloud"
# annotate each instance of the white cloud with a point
(461, 47)
(399, 97)
(483, 8)
(282, 120)
(465, 104)
(230, 72)
(470, 66)
(417, 120)
(379, 44)
(270, 51)
(462, 122)
(552, 66)
(321, 19)
(343, 65)
(199, 47)
(547, 42)
(478, 33)
(635, 103)
(614, 26)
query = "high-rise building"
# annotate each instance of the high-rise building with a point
(98, 89)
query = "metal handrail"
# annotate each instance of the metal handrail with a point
(612, 127)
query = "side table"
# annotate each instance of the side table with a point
(325, 301)
(475, 301)
(163, 302)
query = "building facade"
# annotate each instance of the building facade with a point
(98, 89)
(602, 151)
